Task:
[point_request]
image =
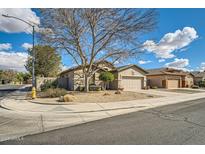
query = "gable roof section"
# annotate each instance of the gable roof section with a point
(122, 68)
(80, 66)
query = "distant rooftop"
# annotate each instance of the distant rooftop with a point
(198, 74)
(165, 70)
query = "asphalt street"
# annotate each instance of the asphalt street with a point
(182, 123)
(5, 90)
(8, 124)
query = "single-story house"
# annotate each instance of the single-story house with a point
(198, 77)
(129, 77)
(169, 78)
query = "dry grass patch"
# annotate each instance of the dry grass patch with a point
(96, 97)
(109, 96)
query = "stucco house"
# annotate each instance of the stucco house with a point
(129, 77)
(198, 77)
(169, 78)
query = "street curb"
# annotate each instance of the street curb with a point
(3, 105)
(20, 136)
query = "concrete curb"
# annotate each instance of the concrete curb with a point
(133, 106)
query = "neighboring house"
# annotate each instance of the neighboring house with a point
(130, 77)
(198, 77)
(169, 78)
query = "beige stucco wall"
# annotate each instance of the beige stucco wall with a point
(79, 79)
(42, 80)
(66, 80)
(189, 80)
(132, 72)
(155, 81)
(73, 79)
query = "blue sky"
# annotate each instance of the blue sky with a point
(178, 41)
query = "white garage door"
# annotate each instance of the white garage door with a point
(172, 84)
(131, 83)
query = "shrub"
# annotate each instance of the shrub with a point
(106, 77)
(53, 92)
(94, 88)
(201, 83)
(68, 98)
(106, 94)
(81, 88)
(195, 87)
(91, 88)
(154, 87)
(118, 92)
(49, 84)
(120, 89)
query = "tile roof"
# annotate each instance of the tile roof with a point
(80, 66)
(198, 74)
(166, 71)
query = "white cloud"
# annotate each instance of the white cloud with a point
(116, 62)
(13, 60)
(171, 42)
(64, 67)
(161, 60)
(180, 64)
(144, 62)
(10, 25)
(26, 45)
(202, 67)
(5, 46)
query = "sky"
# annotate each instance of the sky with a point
(177, 42)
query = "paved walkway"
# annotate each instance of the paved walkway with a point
(38, 118)
(28, 106)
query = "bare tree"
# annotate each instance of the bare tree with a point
(90, 36)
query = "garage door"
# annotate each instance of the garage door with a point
(171, 84)
(131, 83)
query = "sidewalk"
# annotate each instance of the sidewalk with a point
(41, 118)
(29, 106)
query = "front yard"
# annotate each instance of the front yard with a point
(98, 97)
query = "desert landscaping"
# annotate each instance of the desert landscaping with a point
(96, 97)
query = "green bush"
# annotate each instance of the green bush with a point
(201, 83)
(49, 84)
(106, 76)
(91, 88)
(154, 87)
(53, 92)
(195, 87)
(95, 88)
(81, 88)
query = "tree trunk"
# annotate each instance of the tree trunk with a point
(86, 89)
